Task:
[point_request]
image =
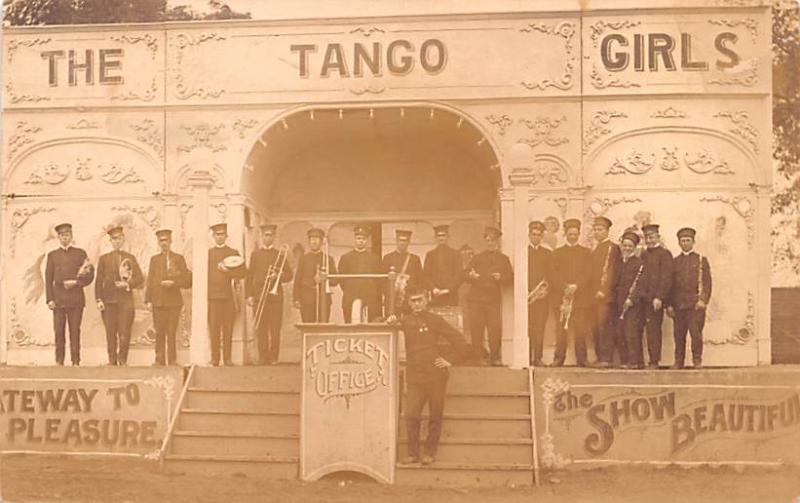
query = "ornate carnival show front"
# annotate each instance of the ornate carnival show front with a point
(491, 114)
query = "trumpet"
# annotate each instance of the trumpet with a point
(539, 292)
(565, 310)
(126, 272)
(86, 269)
(271, 281)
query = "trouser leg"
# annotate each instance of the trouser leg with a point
(495, 330)
(161, 328)
(59, 327)
(74, 317)
(275, 312)
(479, 317)
(537, 318)
(214, 329)
(173, 317)
(126, 315)
(436, 395)
(415, 401)
(680, 327)
(697, 320)
(111, 324)
(653, 323)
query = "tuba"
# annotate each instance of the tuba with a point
(126, 272)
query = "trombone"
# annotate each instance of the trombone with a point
(271, 282)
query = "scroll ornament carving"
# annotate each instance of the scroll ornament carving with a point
(500, 121)
(552, 174)
(148, 133)
(543, 131)
(637, 163)
(24, 134)
(18, 220)
(551, 388)
(566, 31)
(148, 213)
(599, 28)
(203, 135)
(563, 204)
(747, 77)
(149, 40)
(603, 81)
(83, 124)
(371, 88)
(599, 206)
(597, 126)
(669, 113)
(185, 91)
(742, 127)
(749, 23)
(146, 95)
(743, 207)
(241, 126)
(13, 97)
(20, 337)
(367, 31)
(112, 173)
(13, 45)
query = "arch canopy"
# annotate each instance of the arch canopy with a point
(378, 160)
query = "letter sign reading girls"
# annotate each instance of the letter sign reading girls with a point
(661, 51)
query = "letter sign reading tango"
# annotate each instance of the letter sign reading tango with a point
(346, 367)
(398, 57)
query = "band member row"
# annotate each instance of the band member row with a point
(268, 269)
(487, 273)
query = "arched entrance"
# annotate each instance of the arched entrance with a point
(411, 166)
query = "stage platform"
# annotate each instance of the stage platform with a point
(247, 419)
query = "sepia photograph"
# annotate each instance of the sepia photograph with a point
(400, 250)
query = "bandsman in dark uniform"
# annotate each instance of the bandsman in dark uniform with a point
(309, 282)
(427, 371)
(221, 302)
(118, 275)
(67, 272)
(166, 276)
(571, 289)
(658, 264)
(539, 280)
(606, 260)
(263, 269)
(691, 291)
(487, 273)
(407, 266)
(361, 261)
(443, 270)
(630, 294)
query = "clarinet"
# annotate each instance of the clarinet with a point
(631, 290)
(604, 274)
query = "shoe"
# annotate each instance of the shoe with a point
(410, 460)
(537, 363)
(677, 366)
(557, 363)
(697, 365)
(496, 362)
(638, 366)
(652, 366)
(600, 365)
(624, 366)
(76, 364)
(215, 364)
(228, 363)
(427, 460)
(583, 364)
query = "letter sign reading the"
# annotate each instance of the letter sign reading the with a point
(107, 70)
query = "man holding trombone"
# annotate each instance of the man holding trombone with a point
(268, 269)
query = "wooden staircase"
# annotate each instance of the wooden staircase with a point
(239, 420)
(246, 420)
(486, 432)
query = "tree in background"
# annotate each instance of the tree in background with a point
(786, 143)
(45, 12)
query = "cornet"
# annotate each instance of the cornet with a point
(271, 282)
(539, 292)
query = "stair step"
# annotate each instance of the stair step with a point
(480, 451)
(221, 421)
(441, 474)
(508, 403)
(262, 378)
(508, 426)
(244, 400)
(251, 466)
(487, 380)
(232, 444)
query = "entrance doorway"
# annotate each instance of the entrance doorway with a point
(388, 167)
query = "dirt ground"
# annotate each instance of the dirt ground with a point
(49, 479)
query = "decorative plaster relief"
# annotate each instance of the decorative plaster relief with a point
(18, 220)
(183, 90)
(203, 136)
(566, 31)
(741, 126)
(743, 207)
(112, 173)
(543, 131)
(371, 88)
(599, 206)
(599, 27)
(13, 45)
(20, 98)
(23, 135)
(669, 113)
(148, 133)
(637, 163)
(502, 122)
(148, 213)
(149, 40)
(549, 173)
(597, 126)
(747, 77)
(83, 124)
(241, 126)
(367, 31)
(145, 95)
(749, 23)
(603, 81)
